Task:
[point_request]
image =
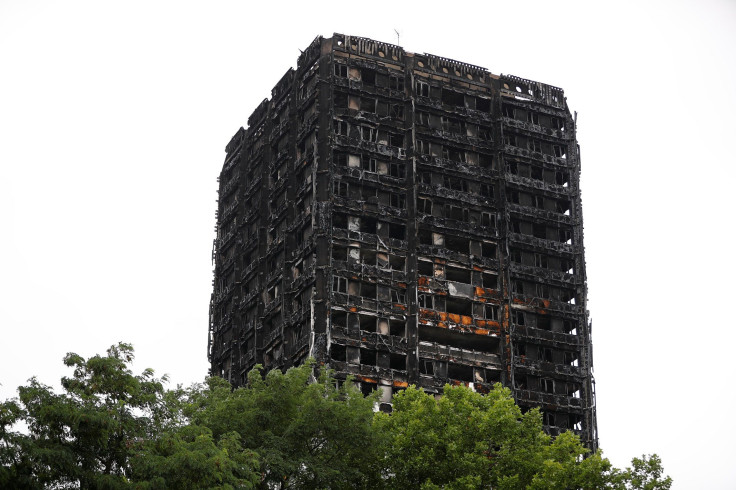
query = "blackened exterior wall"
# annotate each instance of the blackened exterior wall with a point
(407, 219)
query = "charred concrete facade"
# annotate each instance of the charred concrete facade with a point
(407, 219)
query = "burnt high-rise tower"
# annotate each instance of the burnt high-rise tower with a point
(407, 219)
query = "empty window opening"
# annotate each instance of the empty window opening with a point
(544, 323)
(519, 318)
(368, 224)
(398, 328)
(539, 230)
(563, 207)
(488, 219)
(339, 284)
(339, 220)
(368, 357)
(490, 312)
(571, 358)
(397, 262)
(368, 256)
(397, 170)
(459, 306)
(337, 352)
(368, 290)
(570, 327)
(341, 127)
(455, 183)
(426, 366)
(422, 89)
(398, 200)
(562, 178)
(339, 318)
(398, 296)
(545, 384)
(341, 70)
(340, 188)
(424, 236)
(367, 323)
(560, 151)
(549, 418)
(398, 362)
(452, 98)
(488, 250)
(567, 295)
(426, 301)
(460, 372)
(424, 206)
(397, 231)
(483, 104)
(368, 76)
(457, 244)
(368, 388)
(457, 275)
(545, 354)
(425, 268)
(490, 281)
(396, 140)
(519, 349)
(457, 213)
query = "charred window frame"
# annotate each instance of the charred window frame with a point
(340, 188)
(424, 206)
(340, 70)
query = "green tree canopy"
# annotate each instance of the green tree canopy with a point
(112, 429)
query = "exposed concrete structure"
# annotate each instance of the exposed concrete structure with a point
(407, 219)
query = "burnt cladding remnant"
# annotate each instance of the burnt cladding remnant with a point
(407, 219)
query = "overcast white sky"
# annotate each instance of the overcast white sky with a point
(114, 117)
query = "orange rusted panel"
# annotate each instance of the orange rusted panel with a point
(402, 284)
(400, 384)
(481, 331)
(443, 316)
(423, 281)
(353, 309)
(441, 324)
(365, 378)
(479, 291)
(466, 320)
(454, 317)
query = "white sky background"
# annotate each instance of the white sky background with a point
(114, 117)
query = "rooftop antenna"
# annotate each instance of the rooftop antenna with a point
(398, 38)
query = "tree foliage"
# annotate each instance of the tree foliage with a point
(112, 429)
